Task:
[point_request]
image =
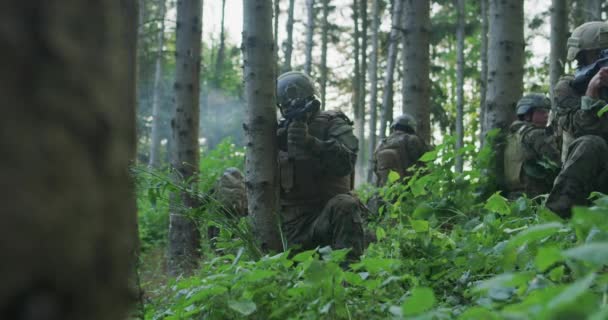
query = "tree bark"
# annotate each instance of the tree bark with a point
(67, 237)
(373, 81)
(460, 6)
(593, 10)
(484, 69)
(221, 51)
(559, 36)
(386, 113)
(362, 157)
(288, 44)
(505, 68)
(277, 12)
(324, 40)
(416, 64)
(154, 160)
(184, 237)
(356, 86)
(261, 123)
(310, 29)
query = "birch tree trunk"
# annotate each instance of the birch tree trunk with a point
(416, 61)
(505, 68)
(158, 73)
(324, 40)
(386, 113)
(460, 83)
(261, 123)
(184, 238)
(288, 44)
(67, 139)
(221, 51)
(310, 29)
(484, 69)
(373, 81)
(559, 36)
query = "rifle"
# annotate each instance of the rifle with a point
(583, 76)
(298, 111)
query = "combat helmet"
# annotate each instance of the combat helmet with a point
(294, 85)
(532, 101)
(588, 36)
(404, 122)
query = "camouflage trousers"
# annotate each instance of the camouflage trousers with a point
(585, 170)
(337, 224)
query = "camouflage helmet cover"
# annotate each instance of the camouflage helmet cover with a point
(532, 101)
(294, 85)
(405, 120)
(588, 36)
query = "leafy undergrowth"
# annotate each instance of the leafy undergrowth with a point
(448, 248)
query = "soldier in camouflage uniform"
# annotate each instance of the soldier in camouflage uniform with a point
(531, 158)
(399, 151)
(317, 154)
(230, 197)
(584, 132)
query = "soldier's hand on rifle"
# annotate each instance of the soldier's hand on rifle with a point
(297, 134)
(598, 81)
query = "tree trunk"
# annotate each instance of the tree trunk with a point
(505, 68)
(593, 10)
(363, 90)
(154, 160)
(559, 36)
(261, 124)
(184, 237)
(324, 40)
(310, 29)
(67, 237)
(359, 123)
(416, 61)
(221, 51)
(484, 69)
(288, 44)
(389, 75)
(460, 83)
(277, 12)
(373, 82)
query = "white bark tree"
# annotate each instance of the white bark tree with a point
(460, 29)
(261, 124)
(154, 160)
(184, 237)
(386, 113)
(416, 64)
(373, 82)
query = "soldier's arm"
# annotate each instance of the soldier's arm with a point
(542, 143)
(338, 153)
(577, 115)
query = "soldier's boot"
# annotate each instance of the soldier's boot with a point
(341, 224)
(580, 174)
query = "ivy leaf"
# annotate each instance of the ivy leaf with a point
(497, 203)
(429, 156)
(393, 176)
(422, 299)
(595, 253)
(420, 225)
(243, 307)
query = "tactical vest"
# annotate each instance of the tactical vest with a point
(515, 156)
(303, 180)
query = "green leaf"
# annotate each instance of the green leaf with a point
(546, 257)
(380, 233)
(422, 299)
(572, 292)
(556, 274)
(429, 156)
(602, 111)
(534, 233)
(478, 313)
(420, 225)
(243, 307)
(393, 176)
(595, 253)
(497, 203)
(304, 256)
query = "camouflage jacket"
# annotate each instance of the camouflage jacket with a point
(531, 158)
(315, 176)
(397, 152)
